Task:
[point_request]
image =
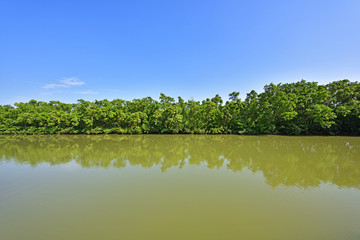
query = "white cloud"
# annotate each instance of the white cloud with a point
(54, 85)
(86, 92)
(73, 81)
(65, 83)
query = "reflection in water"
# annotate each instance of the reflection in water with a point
(291, 161)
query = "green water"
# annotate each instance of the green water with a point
(179, 187)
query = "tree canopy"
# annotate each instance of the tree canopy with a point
(301, 108)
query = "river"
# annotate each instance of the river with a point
(179, 187)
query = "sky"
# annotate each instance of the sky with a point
(70, 50)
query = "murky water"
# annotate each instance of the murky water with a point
(179, 187)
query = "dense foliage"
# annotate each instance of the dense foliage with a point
(301, 108)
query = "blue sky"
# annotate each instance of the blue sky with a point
(69, 50)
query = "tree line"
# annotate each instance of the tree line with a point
(301, 108)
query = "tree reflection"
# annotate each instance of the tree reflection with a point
(291, 161)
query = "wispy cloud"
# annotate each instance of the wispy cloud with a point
(54, 85)
(73, 81)
(89, 92)
(65, 83)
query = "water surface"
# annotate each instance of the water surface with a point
(179, 187)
